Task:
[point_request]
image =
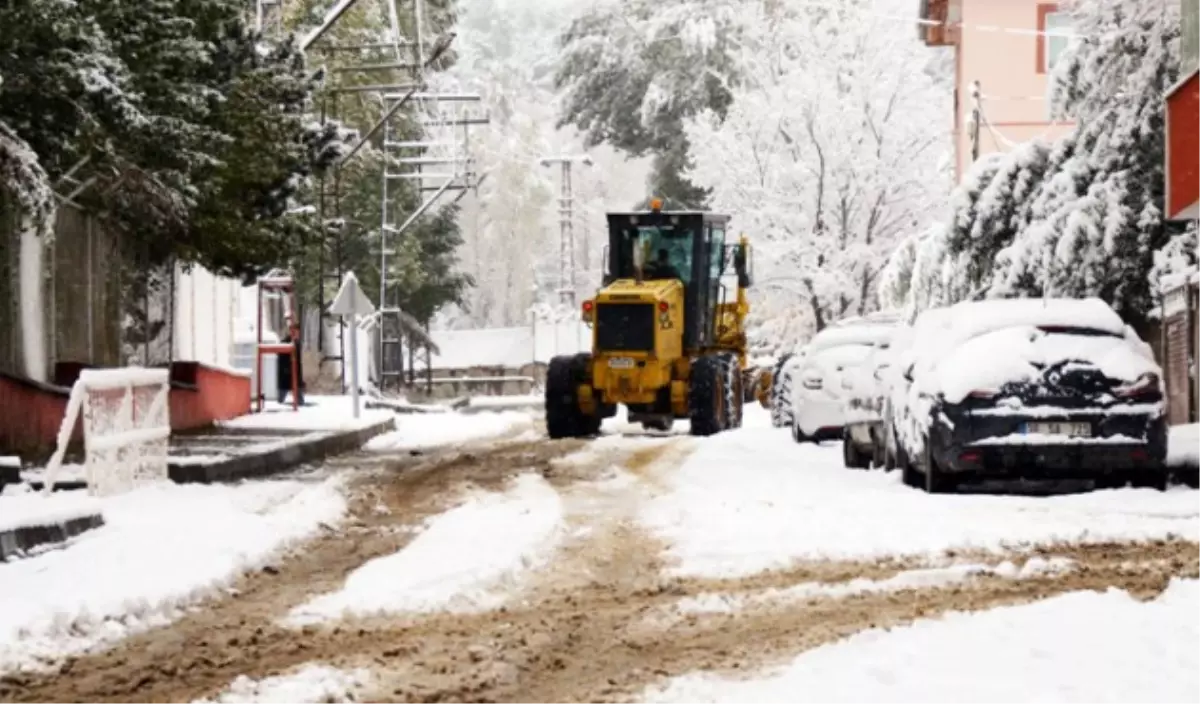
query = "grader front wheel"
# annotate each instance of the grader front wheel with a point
(563, 417)
(714, 396)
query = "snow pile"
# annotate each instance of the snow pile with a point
(311, 683)
(752, 499)
(910, 579)
(1082, 646)
(1183, 446)
(458, 562)
(415, 431)
(162, 548)
(20, 510)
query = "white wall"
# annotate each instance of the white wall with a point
(206, 308)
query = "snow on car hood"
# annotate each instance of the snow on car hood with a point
(1017, 354)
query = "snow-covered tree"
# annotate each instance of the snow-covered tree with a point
(507, 51)
(633, 71)
(833, 148)
(1081, 216)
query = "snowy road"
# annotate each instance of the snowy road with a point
(665, 568)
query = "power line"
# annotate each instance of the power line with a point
(906, 19)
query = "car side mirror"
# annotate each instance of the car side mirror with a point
(740, 265)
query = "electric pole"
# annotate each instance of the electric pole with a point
(566, 225)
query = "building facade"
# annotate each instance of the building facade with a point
(1189, 47)
(1004, 51)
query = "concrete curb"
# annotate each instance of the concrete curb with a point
(280, 459)
(19, 541)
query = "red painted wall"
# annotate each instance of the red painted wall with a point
(31, 413)
(1183, 146)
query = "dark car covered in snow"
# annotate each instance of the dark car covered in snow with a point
(1030, 389)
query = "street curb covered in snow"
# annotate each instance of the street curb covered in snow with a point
(310, 447)
(19, 541)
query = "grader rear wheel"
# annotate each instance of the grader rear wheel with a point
(706, 396)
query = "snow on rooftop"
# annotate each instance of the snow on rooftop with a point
(509, 347)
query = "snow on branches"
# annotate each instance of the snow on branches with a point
(833, 148)
(1082, 216)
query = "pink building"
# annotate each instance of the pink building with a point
(997, 45)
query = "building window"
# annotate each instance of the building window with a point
(1054, 36)
(1056, 45)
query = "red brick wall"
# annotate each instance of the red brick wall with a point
(1183, 146)
(218, 395)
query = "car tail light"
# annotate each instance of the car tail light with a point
(970, 455)
(983, 393)
(1146, 385)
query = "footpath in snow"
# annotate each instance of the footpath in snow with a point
(162, 549)
(422, 431)
(753, 499)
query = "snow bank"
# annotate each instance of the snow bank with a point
(458, 561)
(1183, 446)
(162, 548)
(322, 413)
(434, 429)
(19, 510)
(1082, 646)
(752, 499)
(310, 683)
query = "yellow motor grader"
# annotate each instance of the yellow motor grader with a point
(668, 337)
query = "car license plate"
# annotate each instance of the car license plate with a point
(1075, 430)
(620, 363)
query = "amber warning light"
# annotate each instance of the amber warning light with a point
(656, 204)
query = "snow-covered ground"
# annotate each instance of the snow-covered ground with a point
(310, 683)
(460, 561)
(319, 413)
(1081, 646)
(163, 548)
(416, 431)
(753, 499)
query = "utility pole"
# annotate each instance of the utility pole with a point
(566, 224)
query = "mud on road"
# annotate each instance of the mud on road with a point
(599, 624)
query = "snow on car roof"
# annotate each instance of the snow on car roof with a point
(973, 318)
(858, 334)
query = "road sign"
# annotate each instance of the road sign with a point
(351, 302)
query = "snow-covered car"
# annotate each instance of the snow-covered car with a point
(1029, 388)
(780, 395)
(820, 378)
(863, 443)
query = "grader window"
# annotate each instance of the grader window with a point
(667, 250)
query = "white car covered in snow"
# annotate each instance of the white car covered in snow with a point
(863, 444)
(1029, 388)
(822, 374)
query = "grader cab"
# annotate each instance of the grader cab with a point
(668, 334)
